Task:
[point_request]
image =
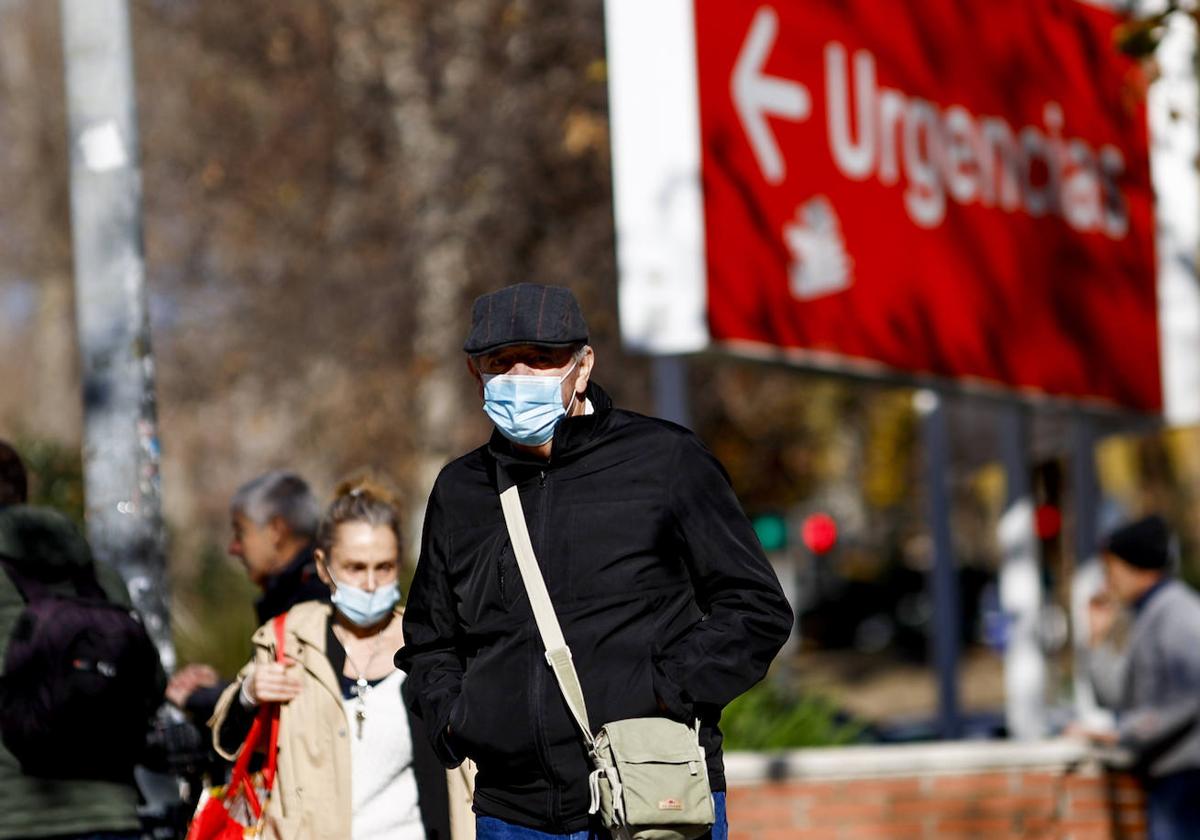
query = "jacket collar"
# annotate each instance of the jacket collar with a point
(287, 580)
(304, 626)
(1144, 599)
(572, 437)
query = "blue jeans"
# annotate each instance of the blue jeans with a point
(1173, 806)
(490, 828)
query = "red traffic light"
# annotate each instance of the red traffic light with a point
(1047, 522)
(819, 533)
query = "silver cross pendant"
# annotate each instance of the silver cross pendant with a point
(360, 710)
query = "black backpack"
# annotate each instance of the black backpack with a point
(81, 681)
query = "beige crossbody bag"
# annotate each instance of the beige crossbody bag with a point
(650, 780)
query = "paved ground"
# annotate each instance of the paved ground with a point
(877, 687)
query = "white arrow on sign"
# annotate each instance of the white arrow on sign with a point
(757, 96)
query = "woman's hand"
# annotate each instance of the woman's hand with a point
(272, 682)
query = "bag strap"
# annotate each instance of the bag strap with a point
(267, 721)
(29, 588)
(273, 745)
(557, 652)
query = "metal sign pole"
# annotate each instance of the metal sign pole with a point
(120, 454)
(943, 576)
(670, 389)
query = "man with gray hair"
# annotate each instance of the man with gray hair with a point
(274, 518)
(1156, 690)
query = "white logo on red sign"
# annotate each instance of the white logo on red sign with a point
(937, 153)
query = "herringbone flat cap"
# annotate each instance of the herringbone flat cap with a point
(527, 313)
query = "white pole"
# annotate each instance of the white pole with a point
(1021, 585)
(120, 454)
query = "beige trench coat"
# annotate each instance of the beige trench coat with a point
(311, 800)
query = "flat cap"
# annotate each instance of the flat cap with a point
(1144, 543)
(527, 313)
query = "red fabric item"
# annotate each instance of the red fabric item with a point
(213, 820)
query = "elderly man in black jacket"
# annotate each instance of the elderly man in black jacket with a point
(662, 590)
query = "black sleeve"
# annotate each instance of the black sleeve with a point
(430, 654)
(236, 725)
(433, 795)
(202, 702)
(747, 619)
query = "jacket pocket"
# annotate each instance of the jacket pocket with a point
(457, 723)
(508, 576)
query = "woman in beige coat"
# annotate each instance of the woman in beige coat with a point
(352, 763)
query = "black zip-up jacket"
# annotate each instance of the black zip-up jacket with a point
(662, 590)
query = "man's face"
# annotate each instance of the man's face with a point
(255, 545)
(535, 360)
(1121, 579)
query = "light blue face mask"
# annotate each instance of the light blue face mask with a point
(364, 608)
(526, 409)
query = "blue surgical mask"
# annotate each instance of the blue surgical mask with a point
(364, 608)
(526, 409)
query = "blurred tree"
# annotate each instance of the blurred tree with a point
(328, 183)
(55, 475)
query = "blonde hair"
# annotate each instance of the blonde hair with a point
(361, 498)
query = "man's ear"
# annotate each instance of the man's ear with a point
(474, 371)
(280, 531)
(584, 374)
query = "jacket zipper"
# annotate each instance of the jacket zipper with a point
(540, 676)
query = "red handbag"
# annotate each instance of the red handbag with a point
(235, 811)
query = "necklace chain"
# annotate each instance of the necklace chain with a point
(361, 686)
(375, 648)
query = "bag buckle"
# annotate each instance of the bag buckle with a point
(594, 787)
(549, 655)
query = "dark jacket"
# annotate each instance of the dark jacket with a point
(660, 586)
(38, 538)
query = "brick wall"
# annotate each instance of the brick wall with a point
(1047, 791)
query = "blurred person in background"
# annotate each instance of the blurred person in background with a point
(352, 762)
(274, 519)
(1152, 681)
(657, 577)
(101, 802)
(14, 488)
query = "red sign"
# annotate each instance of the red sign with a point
(951, 187)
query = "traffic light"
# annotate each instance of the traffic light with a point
(772, 531)
(819, 533)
